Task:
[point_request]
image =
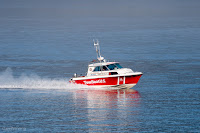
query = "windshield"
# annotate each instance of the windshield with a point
(108, 67)
(111, 66)
(118, 65)
(114, 66)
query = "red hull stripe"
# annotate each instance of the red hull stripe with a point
(110, 80)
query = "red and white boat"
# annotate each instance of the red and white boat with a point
(107, 74)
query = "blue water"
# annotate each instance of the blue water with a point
(39, 55)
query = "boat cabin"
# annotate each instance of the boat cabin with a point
(104, 68)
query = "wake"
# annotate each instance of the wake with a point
(33, 81)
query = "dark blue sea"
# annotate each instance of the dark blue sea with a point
(39, 54)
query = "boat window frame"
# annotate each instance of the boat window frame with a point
(107, 69)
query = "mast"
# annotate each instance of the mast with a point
(99, 57)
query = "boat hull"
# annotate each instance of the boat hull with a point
(120, 81)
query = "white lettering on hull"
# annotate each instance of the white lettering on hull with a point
(95, 81)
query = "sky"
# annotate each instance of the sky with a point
(98, 8)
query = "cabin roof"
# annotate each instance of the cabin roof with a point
(101, 64)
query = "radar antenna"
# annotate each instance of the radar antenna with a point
(99, 57)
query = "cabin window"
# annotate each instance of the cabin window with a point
(97, 69)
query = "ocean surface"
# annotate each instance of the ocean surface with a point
(39, 55)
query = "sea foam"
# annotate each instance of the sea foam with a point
(33, 81)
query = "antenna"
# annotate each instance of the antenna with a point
(99, 57)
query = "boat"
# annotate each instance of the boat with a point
(102, 73)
